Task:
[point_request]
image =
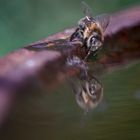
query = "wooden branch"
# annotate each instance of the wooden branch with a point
(27, 70)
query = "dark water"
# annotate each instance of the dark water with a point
(57, 116)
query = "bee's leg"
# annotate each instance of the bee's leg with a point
(76, 62)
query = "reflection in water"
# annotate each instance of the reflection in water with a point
(88, 93)
(56, 116)
(88, 90)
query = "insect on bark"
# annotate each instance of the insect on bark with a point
(90, 32)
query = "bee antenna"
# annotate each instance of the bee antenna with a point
(86, 10)
(87, 18)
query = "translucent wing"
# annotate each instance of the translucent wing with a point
(103, 20)
(86, 9)
(59, 44)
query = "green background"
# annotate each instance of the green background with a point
(25, 21)
(57, 116)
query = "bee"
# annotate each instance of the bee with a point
(90, 31)
(88, 93)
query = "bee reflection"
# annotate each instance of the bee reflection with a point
(88, 93)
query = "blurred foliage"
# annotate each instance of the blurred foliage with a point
(26, 21)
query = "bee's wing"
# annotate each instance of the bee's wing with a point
(103, 20)
(86, 9)
(53, 45)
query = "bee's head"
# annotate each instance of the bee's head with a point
(89, 94)
(94, 38)
(92, 32)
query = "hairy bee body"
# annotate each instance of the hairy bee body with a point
(91, 32)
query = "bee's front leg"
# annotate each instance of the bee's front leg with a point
(76, 62)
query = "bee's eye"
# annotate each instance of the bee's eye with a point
(77, 34)
(82, 25)
(94, 42)
(92, 89)
(80, 34)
